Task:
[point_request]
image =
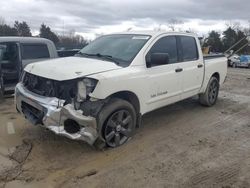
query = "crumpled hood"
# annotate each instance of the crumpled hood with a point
(69, 68)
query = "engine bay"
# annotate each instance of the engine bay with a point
(65, 90)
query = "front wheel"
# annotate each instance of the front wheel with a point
(210, 96)
(117, 121)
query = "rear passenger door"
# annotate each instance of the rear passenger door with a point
(31, 52)
(191, 64)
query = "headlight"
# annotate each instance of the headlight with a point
(85, 87)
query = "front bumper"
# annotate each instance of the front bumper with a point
(51, 113)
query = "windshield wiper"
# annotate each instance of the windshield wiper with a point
(107, 57)
(82, 54)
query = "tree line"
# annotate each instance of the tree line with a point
(220, 42)
(69, 41)
(216, 41)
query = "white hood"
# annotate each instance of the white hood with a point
(69, 68)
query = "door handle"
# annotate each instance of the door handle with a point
(178, 70)
(200, 66)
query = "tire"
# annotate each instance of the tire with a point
(209, 98)
(116, 122)
(234, 65)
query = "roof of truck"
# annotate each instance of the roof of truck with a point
(24, 39)
(156, 33)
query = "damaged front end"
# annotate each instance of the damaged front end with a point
(58, 106)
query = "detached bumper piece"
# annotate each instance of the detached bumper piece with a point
(50, 113)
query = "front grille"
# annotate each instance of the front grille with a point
(65, 90)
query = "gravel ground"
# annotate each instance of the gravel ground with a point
(182, 145)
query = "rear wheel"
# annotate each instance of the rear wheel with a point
(117, 122)
(209, 98)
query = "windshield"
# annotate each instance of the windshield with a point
(122, 48)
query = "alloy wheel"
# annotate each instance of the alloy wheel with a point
(118, 128)
(213, 92)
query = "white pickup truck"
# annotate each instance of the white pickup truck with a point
(99, 95)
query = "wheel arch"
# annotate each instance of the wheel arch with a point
(129, 97)
(207, 79)
(216, 75)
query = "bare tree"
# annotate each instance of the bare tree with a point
(233, 24)
(159, 27)
(191, 30)
(2, 21)
(173, 22)
(247, 29)
(129, 29)
(72, 32)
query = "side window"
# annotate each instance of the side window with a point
(165, 45)
(189, 48)
(35, 51)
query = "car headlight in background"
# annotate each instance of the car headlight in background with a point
(85, 87)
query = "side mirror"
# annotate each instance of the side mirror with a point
(158, 59)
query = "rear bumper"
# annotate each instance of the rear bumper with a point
(51, 113)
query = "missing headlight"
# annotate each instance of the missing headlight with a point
(90, 84)
(81, 91)
(84, 88)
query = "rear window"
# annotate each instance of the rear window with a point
(189, 47)
(35, 51)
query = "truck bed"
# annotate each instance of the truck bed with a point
(213, 56)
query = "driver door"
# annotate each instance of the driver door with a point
(164, 81)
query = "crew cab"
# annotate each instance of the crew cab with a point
(100, 95)
(16, 53)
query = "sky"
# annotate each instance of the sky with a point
(91, 18)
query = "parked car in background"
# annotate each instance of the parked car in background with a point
(239, 61)
(17, 53)
(233, 60)
(100, 95)
(67, 53)
(244, 61)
